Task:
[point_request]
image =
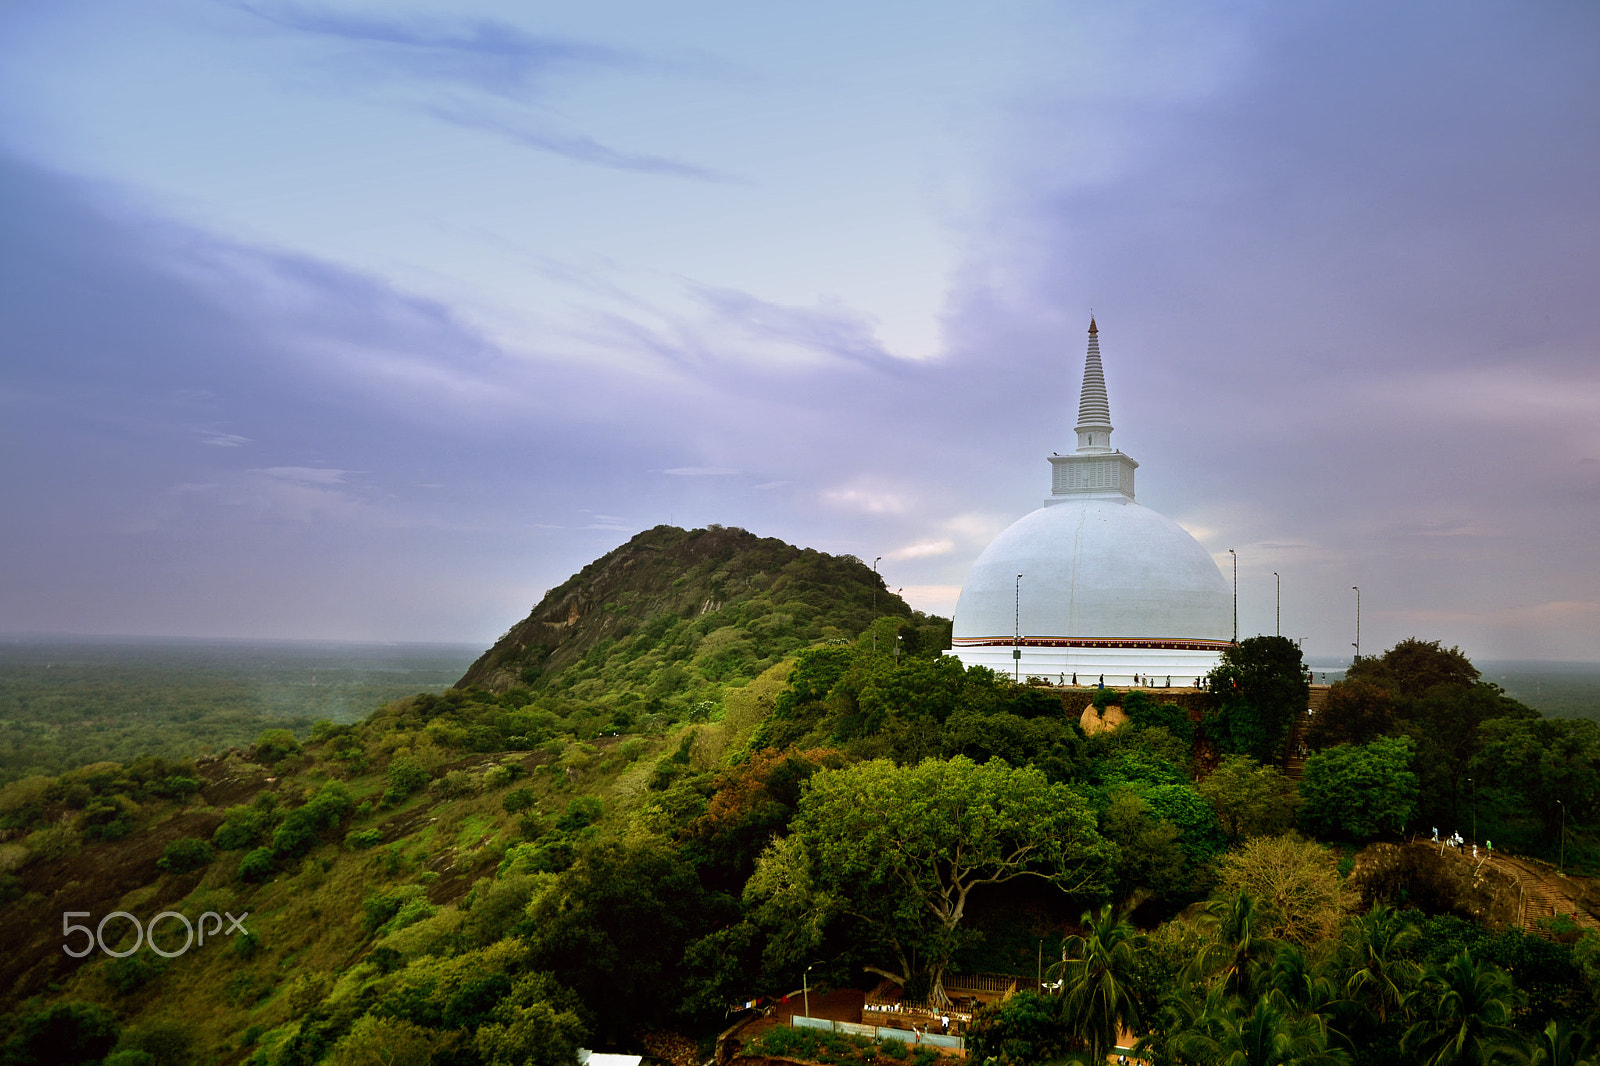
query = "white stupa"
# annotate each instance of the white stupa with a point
(1092, 585)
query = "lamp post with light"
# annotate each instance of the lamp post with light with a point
(1561, 866)
(1235, 594)
(1357, 644)
(1280, 602)
(1016, 633)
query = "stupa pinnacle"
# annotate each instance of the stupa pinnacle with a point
(1096, 467)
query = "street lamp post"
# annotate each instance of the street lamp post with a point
(1357, 644)
(1280, 602)
(805, 983)
(1016, 633)
(1235, 594)
(1561, 866)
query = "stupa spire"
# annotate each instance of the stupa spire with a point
(1096, 468)
(1094, 410)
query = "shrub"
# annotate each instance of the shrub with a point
(107, 819)
(190, 853)
(501, 776)
(256, 866)
(246, 946)
(454, 784)
(64, 1033)
(518, 799)
(273, 746)
(364, 838)
(245, 827)
(131, 972)
(581, 813)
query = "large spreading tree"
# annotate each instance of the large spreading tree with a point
(901, 849)
(1259, 688)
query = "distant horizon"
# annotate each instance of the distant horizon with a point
(1312, 662)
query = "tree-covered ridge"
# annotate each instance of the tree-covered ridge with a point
(673, 607)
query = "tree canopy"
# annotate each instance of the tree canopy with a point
(902, 848)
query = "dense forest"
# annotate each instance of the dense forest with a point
(67, 703)
(713, 767)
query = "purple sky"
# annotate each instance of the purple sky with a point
(375, 322)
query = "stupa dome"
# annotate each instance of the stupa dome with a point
(1093, 584)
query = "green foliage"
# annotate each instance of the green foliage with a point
(406, 776)
(247, 826)
(518, 800)
(1359, 792)
(257, 865)
(1528, 771)
(189, 853)
(364, 838)
(814, 1045)
(386, 911)
(1097, 970)
(273, 746)
(132, 972)
(1250, 799)
(871, 836)
(106, 818)
(1413, 667)
(581, 812)
(1465, 1011)
(1357, 712)
(164, 1043)
(1145, 713)
(1259, 689)
(614, 925)
(65, 1034)
(1294, 885)
(1020, 1030)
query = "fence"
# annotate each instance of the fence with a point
(880, 1032)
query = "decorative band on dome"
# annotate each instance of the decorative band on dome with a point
(1154, 643)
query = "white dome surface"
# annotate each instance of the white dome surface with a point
(1108, 587)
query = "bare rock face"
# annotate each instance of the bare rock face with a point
(1424, 876)
(1093, 721)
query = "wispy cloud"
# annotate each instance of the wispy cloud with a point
(574, 146)
(308, 475)
(486, 54)
(922, 549)
(829, 329)
(483, 67)
(702, 471)
(224, 440)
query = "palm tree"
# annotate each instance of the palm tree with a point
(1227, 1033)
(1464, 1011)
(1378, 977)
(1239, 956)
(1097, 1000)
(1558, 1044)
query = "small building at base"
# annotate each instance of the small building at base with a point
(1093, 586)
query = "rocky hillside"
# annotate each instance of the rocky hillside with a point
(720, 602)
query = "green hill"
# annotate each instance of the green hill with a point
(674, 610)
